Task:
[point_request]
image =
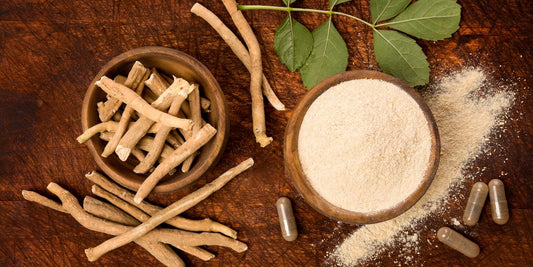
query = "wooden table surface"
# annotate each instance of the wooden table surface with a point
(51, 50)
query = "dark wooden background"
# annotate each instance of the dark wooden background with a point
(50, 51)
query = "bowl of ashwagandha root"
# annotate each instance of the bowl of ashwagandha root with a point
(155, 120)
(362, 147)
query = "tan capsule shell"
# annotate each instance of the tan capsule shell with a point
(286, 219)
(458, 242)
(498, 202)
(475, 203)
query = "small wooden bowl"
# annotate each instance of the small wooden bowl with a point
(294, 168)
(171, 62)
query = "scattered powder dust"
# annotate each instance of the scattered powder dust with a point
(364, 145)
(465, 121)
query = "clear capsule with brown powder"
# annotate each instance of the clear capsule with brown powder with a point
(475, 203)
(458, 242)
(498, 202)
(286, 219)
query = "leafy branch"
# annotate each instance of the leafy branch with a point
(323, 52)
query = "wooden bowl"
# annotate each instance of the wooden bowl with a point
(294, 168)
(171, 62)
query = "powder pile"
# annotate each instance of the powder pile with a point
(465, 121)
(364, 145)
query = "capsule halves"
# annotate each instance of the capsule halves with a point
(498, 202)
(458, 242)
(475, 203)
(286, 219)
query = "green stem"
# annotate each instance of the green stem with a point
(296, 9)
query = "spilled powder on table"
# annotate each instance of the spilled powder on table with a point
(465, 121)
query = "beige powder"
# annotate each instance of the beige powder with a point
(364, 145)
(465, 123)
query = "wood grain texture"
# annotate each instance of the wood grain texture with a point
(50, 51)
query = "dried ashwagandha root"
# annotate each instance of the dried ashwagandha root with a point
(134, 79)
(141, 126)
(256, 72)
(162, 135)
(178, 156)
(168, 212)
(127, 113)
(112, 192)
(108, 216)
(196, 117)
(238, 49)
(140, 105)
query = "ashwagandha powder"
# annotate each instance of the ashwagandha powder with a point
(465, 121)
(364, 145)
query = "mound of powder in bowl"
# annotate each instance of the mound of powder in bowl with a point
(364, 145)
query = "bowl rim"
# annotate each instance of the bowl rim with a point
(222, 124)
(303, 186)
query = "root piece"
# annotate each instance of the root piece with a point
(98, 128)
(107, 211)
(136, 76)
(194, 239)
(126, 115)
(238, 49)
(37, 198)
(141, 126)
(140, 105)
(197, 252)
(256, 72)
(156, 83)
(168, 212)
(109, 126)
(148, 242)
(107, 109)
(196, 117)
(138, 154)
(178, 156)
(145, 144)
(162, 134)
(120, 215)
(178, 222)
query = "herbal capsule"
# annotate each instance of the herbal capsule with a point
(458, 242)
(286, 219)
(475, 203)
(498, 202)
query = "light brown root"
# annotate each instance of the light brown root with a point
(256, 72)
(141, 126)
(162, 135)
(71, 206)
(107, 109)
(167, 213)
(205, 225)
(140, 105)
(178, 156)
(127, 113)
(107, 211)
(238, 49)
(196, 117)
(194, 239)
(37, 198)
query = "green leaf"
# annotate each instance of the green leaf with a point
(429, 19)
(385, 9)
(333, 3)
(288, 2)
(293, 43)
(400, 56)
(328, 57)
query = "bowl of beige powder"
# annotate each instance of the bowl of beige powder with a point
(362, 147)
